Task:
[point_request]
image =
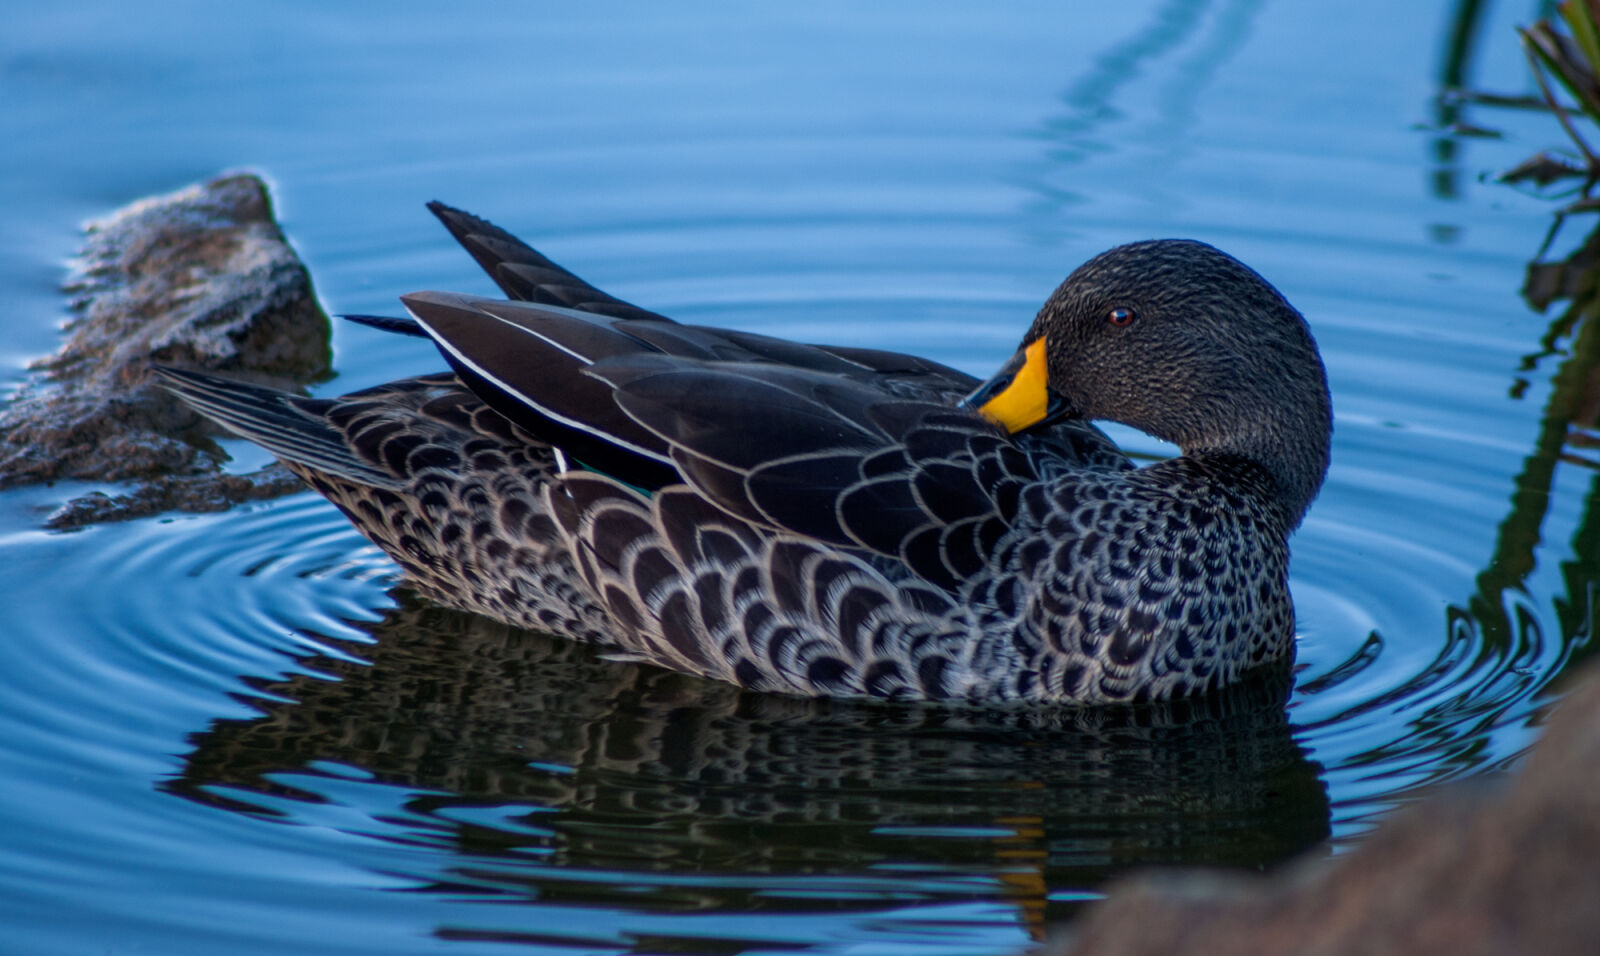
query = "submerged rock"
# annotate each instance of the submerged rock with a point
(1477, 868)
(200, 278)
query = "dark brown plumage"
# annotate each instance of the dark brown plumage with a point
(835, 521)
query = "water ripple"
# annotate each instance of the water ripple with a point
(229, 732)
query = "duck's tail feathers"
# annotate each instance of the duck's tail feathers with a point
(286, 425)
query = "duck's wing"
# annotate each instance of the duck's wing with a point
(388, 323)
(526, 362)
(831, 458)
(524, 274)
(813, 441)
(527, 275)
(532, 363)
(521, 271)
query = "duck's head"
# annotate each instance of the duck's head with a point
(1182, 341)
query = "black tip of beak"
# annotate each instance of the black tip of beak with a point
(1057, 410)
(994, 386)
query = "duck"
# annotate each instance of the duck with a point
(840, 521)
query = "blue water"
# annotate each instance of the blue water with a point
(230, 734)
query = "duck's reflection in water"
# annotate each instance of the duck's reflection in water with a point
(542, 767)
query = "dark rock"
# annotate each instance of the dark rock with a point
(198, 493)
(1477, 868)
(200, 278)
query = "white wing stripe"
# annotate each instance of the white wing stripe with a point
(507, 389)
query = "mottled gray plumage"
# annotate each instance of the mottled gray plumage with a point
(831, 521)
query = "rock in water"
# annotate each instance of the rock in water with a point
(200, 278)
(1478, 869)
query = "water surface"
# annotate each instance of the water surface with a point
(234, 734)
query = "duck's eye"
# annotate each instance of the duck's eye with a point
(1121, 316)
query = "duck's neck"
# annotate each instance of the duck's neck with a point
(1290, 448)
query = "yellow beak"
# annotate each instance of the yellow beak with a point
(1017, 396)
